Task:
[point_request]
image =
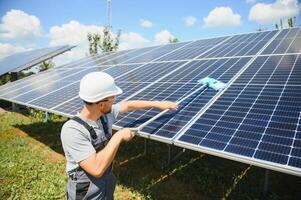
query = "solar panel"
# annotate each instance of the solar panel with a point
(20, 61)
(288, 41)
(193, 49)
(255, 119)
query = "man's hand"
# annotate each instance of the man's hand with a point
(163, 105)
(125, 134)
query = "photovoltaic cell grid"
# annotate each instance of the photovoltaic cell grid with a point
(96, 60)
(258, 117)
(24, 60)
(192, 50)
(241, 45)
(60, 90)
(18, 87)
(256, 120)
(176, 86)
(288, 41)
(156, 53)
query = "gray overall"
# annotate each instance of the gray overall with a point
(81, 185)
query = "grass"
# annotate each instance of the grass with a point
(32, 166)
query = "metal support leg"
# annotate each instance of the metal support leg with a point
(15, 107)
(46, 116)
(266, 182)
(145, 147)
(170, 157)
(169, 154)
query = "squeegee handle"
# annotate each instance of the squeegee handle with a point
(192, 93)
(152, 119)
(165, 111)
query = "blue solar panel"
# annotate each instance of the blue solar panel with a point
(288, 41)
(257, 117)
(241, 45)
(33, 82)
(156, 53)
(20, 61)
(192, 50)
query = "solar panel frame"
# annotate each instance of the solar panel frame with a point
(42, 55)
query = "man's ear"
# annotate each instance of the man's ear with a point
(100, 105)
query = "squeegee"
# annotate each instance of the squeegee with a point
(206, 82)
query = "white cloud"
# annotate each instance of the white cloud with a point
(190, 20)
(163, 37)
(251, 1)
(269, 13)
(72, 33)
(222, 16)
(75, 33)
(9, 49)
(17, 24)
(132, 40)
(146, 23)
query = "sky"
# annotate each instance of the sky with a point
(33, 24)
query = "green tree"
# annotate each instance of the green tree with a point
(46, 65)
(290, 22)
(107, 43)
(173, 40)
(93, 39)
(4, 79)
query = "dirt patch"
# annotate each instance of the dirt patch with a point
(2, 111)
(19, 132)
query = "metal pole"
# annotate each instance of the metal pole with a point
(15, 107)
(169, 154)
(46, 116)
(266, 182)
(145, 147)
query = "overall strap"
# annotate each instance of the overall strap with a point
(105, 128)
(87, 126)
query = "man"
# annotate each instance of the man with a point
(87, 138)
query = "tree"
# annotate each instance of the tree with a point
(173, 40)
(93, 39)
(290, 22)
(4, 79)
(46, 65)
(107, 43)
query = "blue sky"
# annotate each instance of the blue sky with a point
(35, 24)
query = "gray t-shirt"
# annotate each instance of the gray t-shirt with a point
(76, 139)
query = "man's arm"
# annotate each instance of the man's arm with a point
(137, 105)
(97, 163)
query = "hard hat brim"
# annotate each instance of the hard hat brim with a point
(100, 97)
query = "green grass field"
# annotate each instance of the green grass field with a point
(32, 166)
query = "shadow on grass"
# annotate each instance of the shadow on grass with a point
(192, 176)
(47, 133)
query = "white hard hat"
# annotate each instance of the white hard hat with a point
(96, 86)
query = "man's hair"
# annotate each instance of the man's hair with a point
(87, 103)
(91, 103)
